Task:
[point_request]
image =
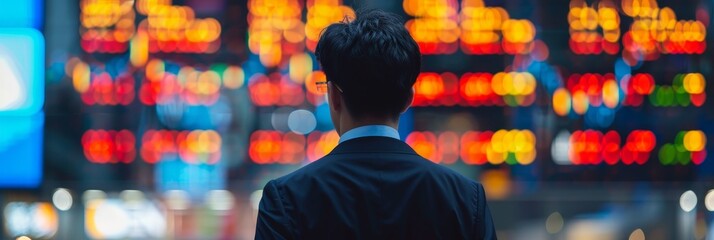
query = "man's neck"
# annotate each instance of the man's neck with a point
(349, 124)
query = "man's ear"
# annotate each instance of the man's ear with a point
(410, 101)
(335, 97)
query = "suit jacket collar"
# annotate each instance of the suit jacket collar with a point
(373, 144)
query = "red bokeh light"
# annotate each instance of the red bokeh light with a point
(474, 146)
(196, 146)
(611, 147)
(447, 147)
(275, 90)
(424, 143)
(591, 147)
(264, 147)
(93, 41)
(642, 83)
(271, 147)
(102, 146)
(103, 90)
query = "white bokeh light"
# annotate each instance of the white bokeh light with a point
(279, 119)
(110, 219)
(709, 200)
(177, 199)
(255, 199)
(688, 201)
(554, 223)
(560, 148)
(220, 200)
(302, 121)
(93, 194)
(62, 199)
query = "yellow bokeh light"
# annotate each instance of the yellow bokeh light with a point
(508, 141)
(694, 83)
(271, 24)
(80, 77)
(436, 24)
(320, 14)
(208, 83)
(155, 69)
(497, 141)
(610, 93)
(495, 157)
(178, 23)
(525, 157)
(519, 83)
(561, 102)
(233, 77)
(580, 102)
(612, 36)
(100, 14)
(497, 84)
(526, 140)
(518, 31)
(271, 57)
(145, 6)
(139, 49)
(107, 21)
(327, 142)
(584, 22)
(520, 143)
(430, 8)
(299, 67)
(588, 18)
(206, 30)
(609, 18)
(497, 183)
(695, 141)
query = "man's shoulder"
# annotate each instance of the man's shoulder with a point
(444, 173)
(326, 165)
(306, 172)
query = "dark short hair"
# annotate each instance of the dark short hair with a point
(373, 59)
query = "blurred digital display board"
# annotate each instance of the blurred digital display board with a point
(22, 14)
(544, 90)
(22, 94)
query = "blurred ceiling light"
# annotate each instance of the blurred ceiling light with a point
(38, 220)
(220, 200)
(590, 229)
(709, 200)
(92, 194)
(554, 223)
(688, 201)
(62, 199)
(107, 220)
(255, 198)
(177, 199)
(638, 234)
(132, 198)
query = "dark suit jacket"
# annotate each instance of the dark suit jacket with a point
(374, 188)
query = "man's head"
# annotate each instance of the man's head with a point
(371, 64)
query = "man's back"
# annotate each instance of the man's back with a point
(374, 188)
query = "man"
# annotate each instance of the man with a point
(372, 185)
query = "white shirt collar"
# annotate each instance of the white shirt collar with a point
(370, 131)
